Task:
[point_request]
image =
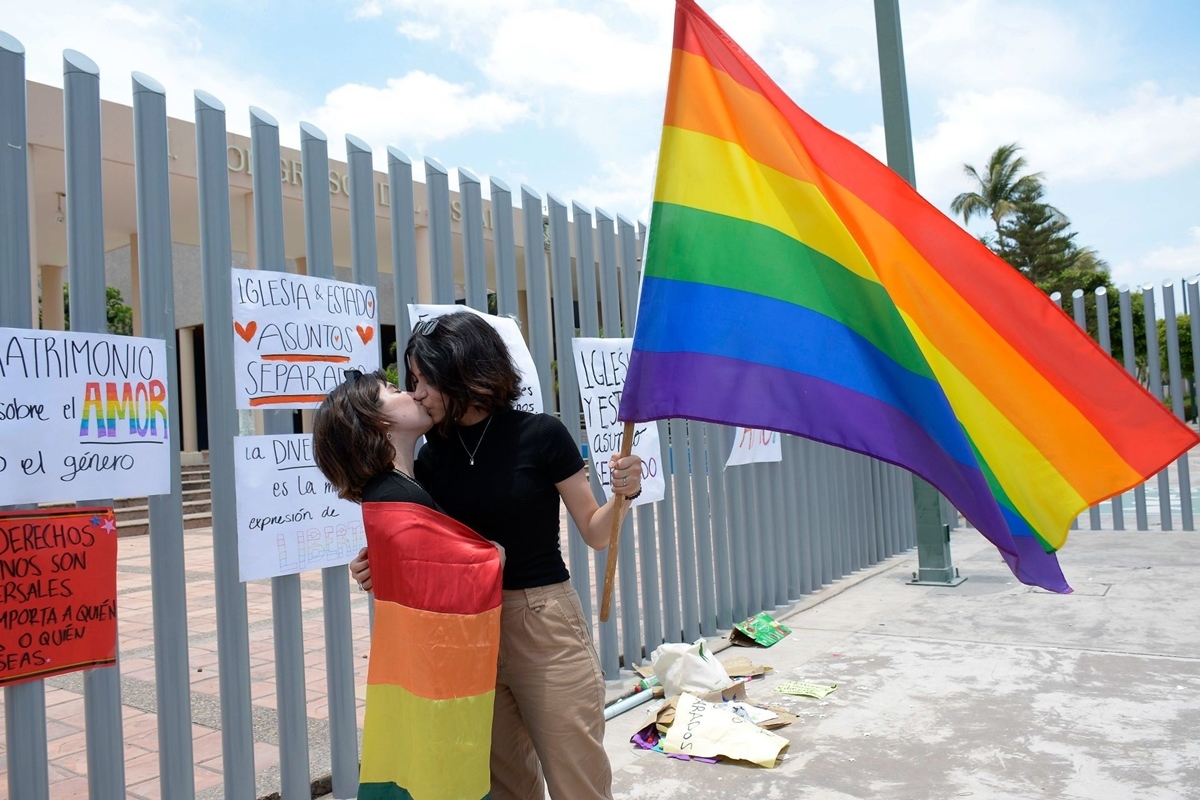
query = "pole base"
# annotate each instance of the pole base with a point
(935, 577)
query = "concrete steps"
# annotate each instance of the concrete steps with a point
(133, 513)
(133, 516)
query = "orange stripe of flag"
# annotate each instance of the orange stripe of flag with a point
(461, 664)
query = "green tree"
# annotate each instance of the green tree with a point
(119, 315)
(997, 191)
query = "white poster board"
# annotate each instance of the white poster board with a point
(295, 336)
(83, 416)
(531, 387)
(601, 366)
(289, 518)
(754, 446)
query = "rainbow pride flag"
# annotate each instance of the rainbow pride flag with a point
(795, 283)
(432, 676)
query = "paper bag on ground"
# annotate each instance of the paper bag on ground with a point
(688, 668)
(703, 729)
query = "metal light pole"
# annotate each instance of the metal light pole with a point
(933, 537)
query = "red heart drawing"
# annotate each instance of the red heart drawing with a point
(370, 305)
(366, 334)
(247, 333)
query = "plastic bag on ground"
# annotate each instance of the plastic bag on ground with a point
(688, 668)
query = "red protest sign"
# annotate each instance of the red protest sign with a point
(58, 592)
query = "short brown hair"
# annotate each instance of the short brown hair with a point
(350, 443)
(465, 359)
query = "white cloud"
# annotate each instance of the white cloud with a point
(418, 31)
(988, 44)
(573, 50)
(416, 110)
(621, 187)
(800, 69)
(1149, 134)
(1175, 262)
(157, 38)
(751, 24)
(370, 9)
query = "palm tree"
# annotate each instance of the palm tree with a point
(1000, 188)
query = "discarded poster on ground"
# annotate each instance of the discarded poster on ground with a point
(531, 388)
(804, 689)
(707, 730)
(760, 629)
(58, 595)
(601, 366)
(83, 416)
(294, 337)
(754, 446)
(289, 517)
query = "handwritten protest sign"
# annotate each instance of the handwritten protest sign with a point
(706, 730)
(531, 388)
(289, 518)
(58, 592)
(82, 416)
(601, 366)
(754, 446)
(295, 336)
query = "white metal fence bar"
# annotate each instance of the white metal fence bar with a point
(167, 583)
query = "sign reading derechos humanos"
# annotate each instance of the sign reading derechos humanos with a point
(82, 416)
(58, 592)
(294, 337)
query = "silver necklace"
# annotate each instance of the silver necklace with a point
(410, 478)
(471, 453)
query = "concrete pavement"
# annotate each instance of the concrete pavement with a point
(988, 690)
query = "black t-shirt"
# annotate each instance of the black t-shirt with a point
(394, 487)
(508, 495)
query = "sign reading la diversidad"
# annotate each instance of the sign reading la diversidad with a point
(294, 337)
(58, 592)
(82, 415)
(289, 517)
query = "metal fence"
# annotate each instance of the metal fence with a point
(1166, 500)
(723, 545)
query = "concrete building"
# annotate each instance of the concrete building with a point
(48, 259)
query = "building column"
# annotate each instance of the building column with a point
(187, 389)
(250, 422)
(52, 292)
(424, 267)
(135, 284)
(34, 272)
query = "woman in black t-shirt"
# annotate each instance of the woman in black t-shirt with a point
(364, 435)
(502, 472)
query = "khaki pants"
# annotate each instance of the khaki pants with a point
(549, 716)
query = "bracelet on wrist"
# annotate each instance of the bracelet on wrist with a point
(635, 495)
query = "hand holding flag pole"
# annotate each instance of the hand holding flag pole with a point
(614, 536)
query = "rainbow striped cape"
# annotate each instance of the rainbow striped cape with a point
(432, 676)
(793, 282)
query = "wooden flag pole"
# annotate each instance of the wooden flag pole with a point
(614, 535)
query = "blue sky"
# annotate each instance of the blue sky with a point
(567, 96)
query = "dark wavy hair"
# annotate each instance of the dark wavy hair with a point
(466, 360)
(350, 443)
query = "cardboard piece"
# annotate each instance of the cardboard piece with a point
(761, 629)
(710, 730)
(742, 667)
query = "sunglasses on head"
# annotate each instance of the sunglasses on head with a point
(426, 327)
(353, 375)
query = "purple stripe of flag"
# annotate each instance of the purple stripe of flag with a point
(754, 395)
